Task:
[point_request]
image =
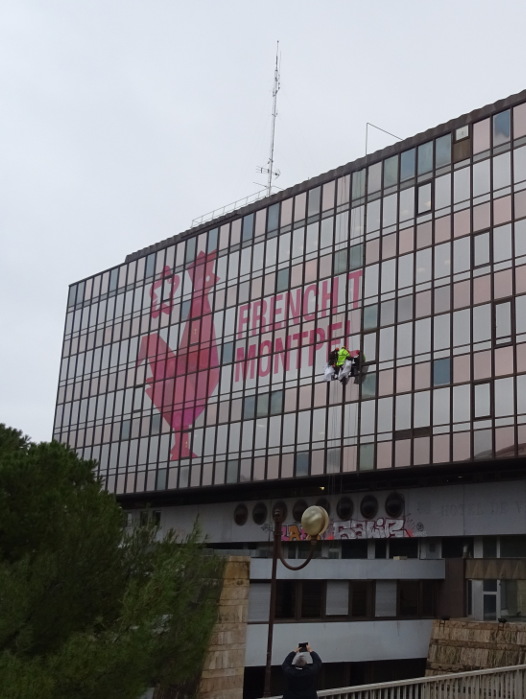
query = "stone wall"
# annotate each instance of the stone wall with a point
(459, 645)
(224, 666)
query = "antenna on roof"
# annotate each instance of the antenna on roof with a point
(270, 169)
(367, 124)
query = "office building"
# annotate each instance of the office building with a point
(193, 373)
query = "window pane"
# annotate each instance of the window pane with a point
(366, 456)
(276, 402)
(502, 243)
(407, 204)
(441, 339)
(501, 171)
(407, 164)
(405, 306)
(461, 403)
(423, 335)
(403, 412)
(385, 598)
(405, 272)
(441, 405)
(422, 409)
(360, 595)
(404, 340)
(443, 150)
(424, 198)
(273, 217)
(462, 186)
(504, 397)
(311, 599)
(423, 265)
(285, 599)
(374, 178)
(358, 184)
(386, 343)
(283, 280)
(441, 371)
(391, 171)
(503, 328)
(389, 210)
(425, 158)
(388, 275)
(408, 591)
(481, 178)
(513, 547)
(370, 317)
(462, 254)
(373, 216)
(356, 256)
(482, 399)
(388, 312)
(490, 607)
(443, 191)
(501, 128)
(341, 261)
(481, 323)
(442, 260)
(481, 249)
(337, 598)
(519, 164)
(314, 201)
(302, 463)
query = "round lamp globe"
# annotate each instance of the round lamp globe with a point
(315, 520)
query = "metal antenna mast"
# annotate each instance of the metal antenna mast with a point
(272, 174)
(274, 115)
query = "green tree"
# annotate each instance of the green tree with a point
(89, 607)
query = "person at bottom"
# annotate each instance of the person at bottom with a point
(301, 676)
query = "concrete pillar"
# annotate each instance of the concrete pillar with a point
(224, 665)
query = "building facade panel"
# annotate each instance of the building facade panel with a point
(201, 363)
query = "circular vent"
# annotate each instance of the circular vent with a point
(259, 513)
(394, 505)
(344, 508)
(280, 505)
(323, 502)
(241, 514)
(299, 508)
(369, 506)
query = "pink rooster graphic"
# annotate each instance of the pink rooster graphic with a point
(183, 380)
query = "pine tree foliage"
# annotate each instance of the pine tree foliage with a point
(90, 608)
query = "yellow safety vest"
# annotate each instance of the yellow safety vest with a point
(343, 354)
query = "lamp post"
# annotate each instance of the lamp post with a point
(314, 521)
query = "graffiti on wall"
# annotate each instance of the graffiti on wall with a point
(379, 528)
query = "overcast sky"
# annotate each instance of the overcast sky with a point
(123, 120)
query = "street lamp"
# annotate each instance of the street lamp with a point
(314, 521)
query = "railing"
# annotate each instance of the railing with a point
(229, 208)
(499, 683)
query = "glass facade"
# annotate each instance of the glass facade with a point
(199, 362)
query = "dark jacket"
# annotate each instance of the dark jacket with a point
(301, 681)
(333, 357)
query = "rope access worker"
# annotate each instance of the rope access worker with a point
(330, 369)
(343, 365)
(336, 361)
(333, 357)
(343, 354)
